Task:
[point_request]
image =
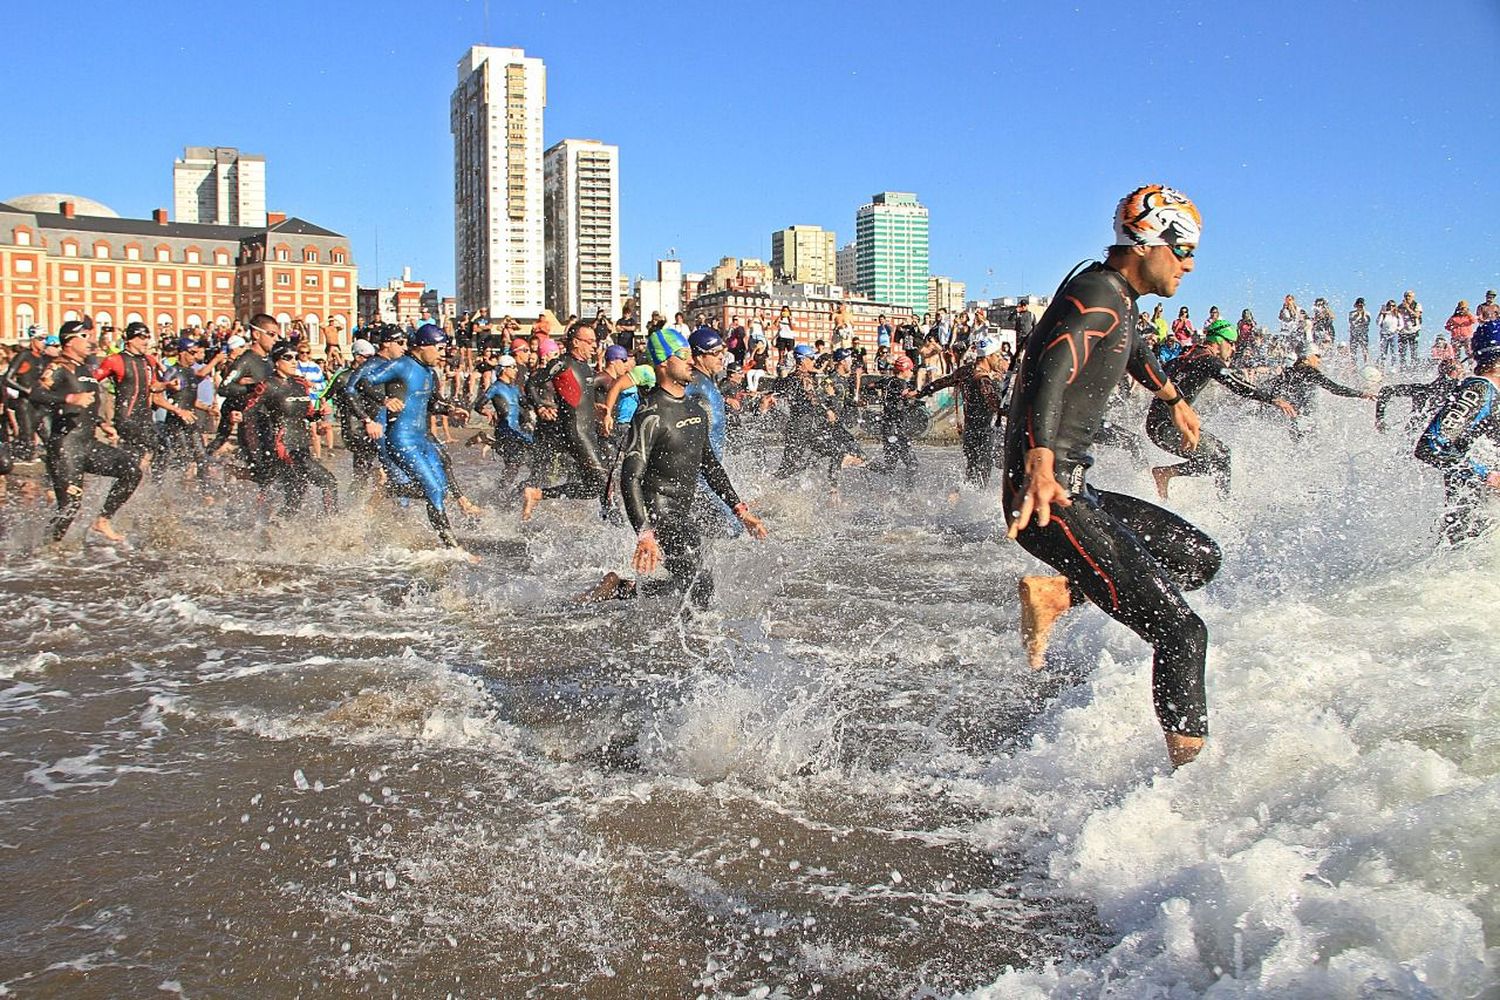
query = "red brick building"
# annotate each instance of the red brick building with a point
(62, 265)
(813, 314)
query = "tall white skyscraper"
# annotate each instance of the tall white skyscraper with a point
(495, 115)
(583, 228)
(219, 185)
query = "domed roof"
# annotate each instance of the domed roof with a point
(53, 203)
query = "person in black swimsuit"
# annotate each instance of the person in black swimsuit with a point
(980, 385)
(1190, 371)
(566, 386)
(1426, 397)
(668, 447)
(1297, 384)
(68, 389)
(1129, 557)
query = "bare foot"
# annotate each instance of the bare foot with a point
(1044, 599)
(102, 526)
(851, 462)
(1163, 475)
(607, 589)
(469, 507)
(530, 497)
(1182, 749)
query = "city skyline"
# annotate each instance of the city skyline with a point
(1321, 166)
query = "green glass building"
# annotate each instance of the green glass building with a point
(891, 262)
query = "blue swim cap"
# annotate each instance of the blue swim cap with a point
(428, 335)
(616, 353)
(704, 340)
(804, 351)
(664, 343)
(1486, 343)
(53, 340)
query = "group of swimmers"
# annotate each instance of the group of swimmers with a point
(644, 437)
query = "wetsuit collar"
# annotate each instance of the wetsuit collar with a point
(1115, 273)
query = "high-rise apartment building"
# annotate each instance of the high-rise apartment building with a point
(495, 115)
(219, 186)
(945, 293)
(804, 255)
(891, 260)
(846, 268)
(582, 183)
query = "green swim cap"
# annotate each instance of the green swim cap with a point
(1221, 329)
(644, 376)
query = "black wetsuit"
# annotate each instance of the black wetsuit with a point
(809, 431)
(281, 408)
(21, 376)
(244, 374)
(897, 413)
(1190, 372)
(73, 450)
(1471, 414)
(1129, 557)
(980, 396)
(1298, 384)
(1426, 399)
(668, 448)
(351, 425)
(567, 385)
(133, 376)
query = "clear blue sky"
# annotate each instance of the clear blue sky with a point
(1337, 148)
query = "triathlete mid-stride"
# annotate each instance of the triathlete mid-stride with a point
(1129, 557)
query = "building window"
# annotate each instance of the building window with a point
(193, 257)
(23, 265)
(101, 251)
(103, 276)
(310, 280)
(134, 278)
(70, 249)
(282, 253)
(339, 257)
(339, 281)
(283, 280)
(194, 281)
(163, 254)
(221, 258)
(221, 282)
(71, 275)
(309, 256)
(23, 237)
(132, 253)
(163, 279)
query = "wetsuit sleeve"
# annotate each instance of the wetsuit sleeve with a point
(1238, 385)
(1332, 386)
(1442, 443)
(1144, 366)
(643, 431)
(11, 382)
(960, 374)
(716, 477)
(232, 389)
(51, 389)
(1390, 392)
(111, 368)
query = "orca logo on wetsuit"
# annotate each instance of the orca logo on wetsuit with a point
(687, 422)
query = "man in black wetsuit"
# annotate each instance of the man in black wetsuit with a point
(899, 409)
(812, 426)
(351, 427)
(181, 442)
(1190, 371)
(980, 385)
(139, 381)
(567, 385)
(1297, 382)
(1426, 397)
(245, 373)
(21, 376)
(282, 407)
(1129, 557)
(668, 447)
(68, 389)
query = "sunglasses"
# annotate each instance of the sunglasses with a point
(1183, 253)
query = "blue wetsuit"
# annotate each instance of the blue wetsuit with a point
(412, 447)
(506, 400)
(708, 507)
(368, 403)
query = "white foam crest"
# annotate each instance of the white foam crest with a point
(36, 663)
(770, 723)
(1337, 836)
(186, 609)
